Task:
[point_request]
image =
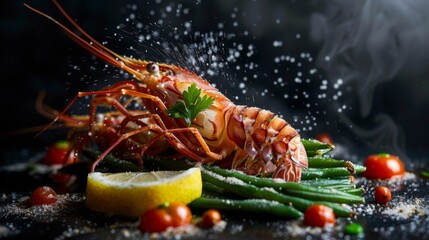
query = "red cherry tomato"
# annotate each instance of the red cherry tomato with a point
(382, 194)
(59, 153)
(43, 196)
(382, 166)
(319, 215)
(166, 215)
(210, 218)
(325, 138)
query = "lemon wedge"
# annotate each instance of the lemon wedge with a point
(132, 193)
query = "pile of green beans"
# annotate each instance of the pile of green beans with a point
(326, 181)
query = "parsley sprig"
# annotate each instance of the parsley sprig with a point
(191, 105)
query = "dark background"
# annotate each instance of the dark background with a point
(378, 50)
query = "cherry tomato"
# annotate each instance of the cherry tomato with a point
(382, 166)
(318, 215)
(325, 138)
(210, 218)
(43, 196)
(59, 153)
(382, 194)
(166, 215)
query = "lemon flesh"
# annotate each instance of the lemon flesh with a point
(132, 193)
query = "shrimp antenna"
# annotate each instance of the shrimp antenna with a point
(93, 46)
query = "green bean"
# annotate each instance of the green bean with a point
(312, 173)
(339, 186)
(325, 162)
(359, 168)
(215, 191)
(291, 188)
(208, 187)
(345, 187)
(113, 163)
(356, 191)
(336, 196)
(250, 191)
(328, 181)
(316, 148)
(248, 205)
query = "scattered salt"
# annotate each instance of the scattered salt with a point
(406, 208)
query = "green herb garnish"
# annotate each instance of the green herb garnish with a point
(191, 105)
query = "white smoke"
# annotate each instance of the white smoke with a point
(368, 42)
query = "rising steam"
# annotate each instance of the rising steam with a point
(365, 43)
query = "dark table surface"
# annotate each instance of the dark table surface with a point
(383, 102)
(405, 217)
